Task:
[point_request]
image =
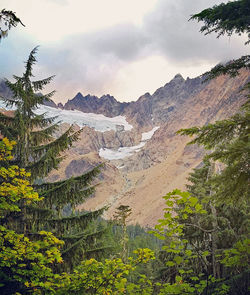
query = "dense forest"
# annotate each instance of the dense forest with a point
(47, 246)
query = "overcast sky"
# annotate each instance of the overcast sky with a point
(121, 47)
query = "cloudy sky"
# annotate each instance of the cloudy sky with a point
(121, 47)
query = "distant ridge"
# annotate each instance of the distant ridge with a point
(106, 104)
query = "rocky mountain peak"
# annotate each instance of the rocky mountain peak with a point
(78, 96)
(178, 79)
(108, 97)
(178, 76)
(106, 104)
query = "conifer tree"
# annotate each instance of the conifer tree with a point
(39, 152)
(120, 217)
(222, 226)
(228, 141)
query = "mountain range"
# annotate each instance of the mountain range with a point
(144, 163)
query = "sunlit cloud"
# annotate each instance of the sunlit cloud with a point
(124, 48)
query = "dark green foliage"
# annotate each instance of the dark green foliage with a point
(39, 152)
(8, 19)
(229, 18)
(140, 238)
(229, 141)
(231, 68)
(232, 220)
(226, 19)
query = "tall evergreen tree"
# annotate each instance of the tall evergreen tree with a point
(222, 226)
(39, 152)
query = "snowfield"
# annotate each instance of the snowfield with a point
(97, 121)
(124, 152)
(100, 123)
(149, 134)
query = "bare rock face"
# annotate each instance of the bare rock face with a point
(91, 140)
(106, 105)
(164, 162)
(4, 90)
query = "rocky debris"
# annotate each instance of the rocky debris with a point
(165, 160)
(91, 140)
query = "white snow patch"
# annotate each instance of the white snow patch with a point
(3, 106)
(97, 121)
(124, 152)
(149, 134)
(121, 153)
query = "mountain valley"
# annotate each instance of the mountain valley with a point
(144, 158)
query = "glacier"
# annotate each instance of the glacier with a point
(97, 121)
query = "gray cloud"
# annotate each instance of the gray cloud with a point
(89, 62)
(126, 42)
(179, 39)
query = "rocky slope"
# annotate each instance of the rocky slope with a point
(106, 105)
(147, 108)
(156, 164)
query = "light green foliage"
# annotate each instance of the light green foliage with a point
(170, 225)
(182, 256)
(108, 277)
(27, 265)
(14, 184)
(238, 256)
(24, 264)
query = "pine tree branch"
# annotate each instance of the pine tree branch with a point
(39, 84)
(59, 145)
(8, 120)
(81, 235)
(44, 165)
(79, 221)
(231, 68)
(81, 180)
(229, 18)
(47, 97)
(7, 131)
(39, 121)
(43, 135)
(61, 198)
